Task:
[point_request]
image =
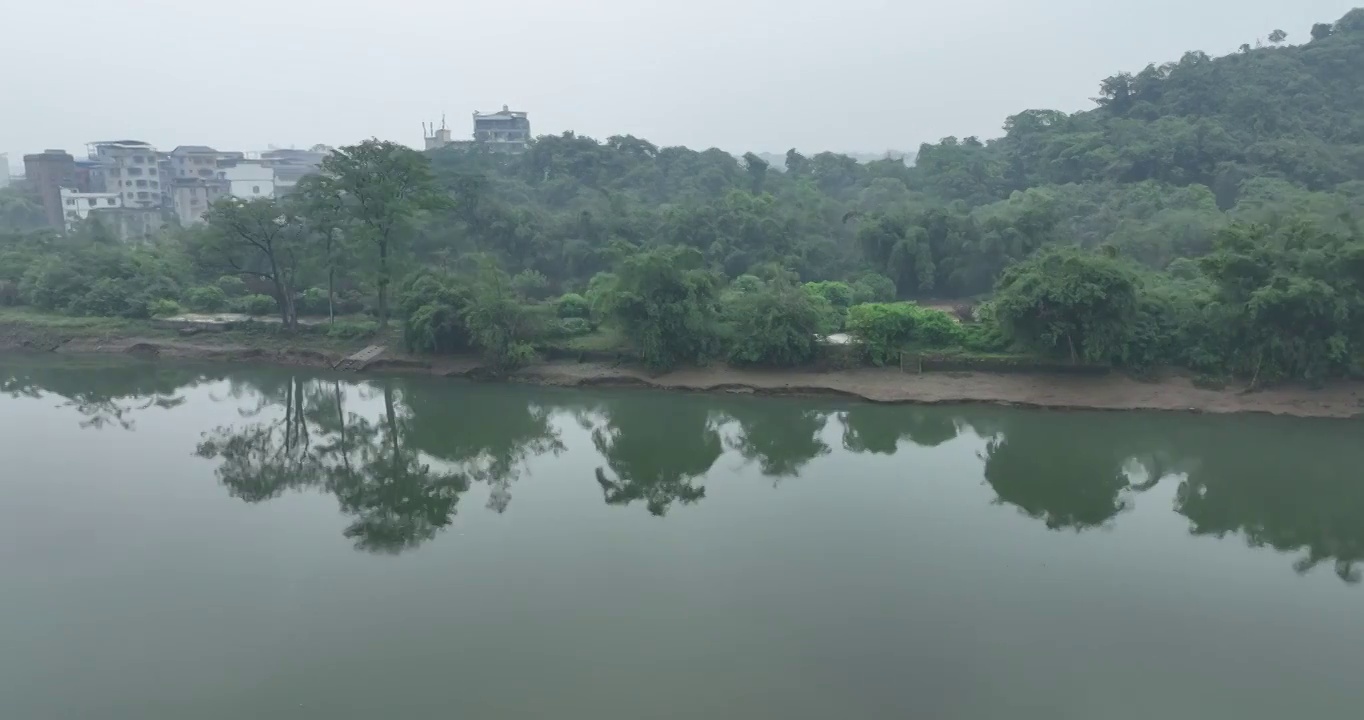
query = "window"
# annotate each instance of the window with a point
(143, 195)
(155, 184)
(142, 183)
(255, 189)
(110, 201)
(114, 172)
(69, 201)
(151, 171)
(182, 173)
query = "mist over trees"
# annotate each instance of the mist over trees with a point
(1202, 214)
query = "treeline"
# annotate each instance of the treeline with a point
(1201, 215)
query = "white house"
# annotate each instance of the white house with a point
(77, 206)
(248, 179)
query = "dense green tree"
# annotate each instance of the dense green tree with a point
(1289, 299)
(1068, 302)
(382, 186)
(667, 305)
(499, 323)
(777, 325)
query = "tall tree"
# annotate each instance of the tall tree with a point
(257, 238)
(383, 185)
(319, 202)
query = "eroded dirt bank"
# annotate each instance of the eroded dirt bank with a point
(1113, 392)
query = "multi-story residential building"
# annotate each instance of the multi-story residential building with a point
(194, 161)
(248, 179)
(78, 206)
(131, 168)
(4, 170)
(192, 182)
(506, 130)
(108, 208)
(48, 172)
(292, 165)
(191, 197)
(503, 131)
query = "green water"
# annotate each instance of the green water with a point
(212, 542)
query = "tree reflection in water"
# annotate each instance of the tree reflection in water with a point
(879, 428)
(654, 456)
(780, 437)
(1290, 485)
(107, 394)
(396, 500)
(399, 476)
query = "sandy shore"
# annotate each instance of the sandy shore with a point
(1111, 392)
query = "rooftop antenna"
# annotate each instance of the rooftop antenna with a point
(442, 121)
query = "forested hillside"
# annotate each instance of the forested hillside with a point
(1202, 214)
(1171, 154)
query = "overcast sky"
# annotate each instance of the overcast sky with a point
(765, 75)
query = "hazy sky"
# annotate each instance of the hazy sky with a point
(766, 75)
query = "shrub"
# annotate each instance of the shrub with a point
(255, 305)
(882, 329)
(983, 337)
(873, 288)
(531, 284)
(778, 325)
(573, 305)
(206, 298)
(573, 327)
(313, 301)
(885, 328)
(839, 294)
(232, 286)
(164, 307)
(935, 328)
(599, 288)
(352, 330)
(107, 297)
(431, 307)
(51, 284)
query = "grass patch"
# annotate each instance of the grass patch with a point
(960, 358)
(350, 334)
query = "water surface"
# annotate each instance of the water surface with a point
(214, 542)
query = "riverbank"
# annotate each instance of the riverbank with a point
(1341, 399)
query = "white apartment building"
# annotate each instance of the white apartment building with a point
(248, 179)
(190, 199)
(130, 168)
(192, 182)
(77, 206)
(4, 170)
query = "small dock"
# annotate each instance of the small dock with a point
(359, 360)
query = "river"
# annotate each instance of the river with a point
(185, 541)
